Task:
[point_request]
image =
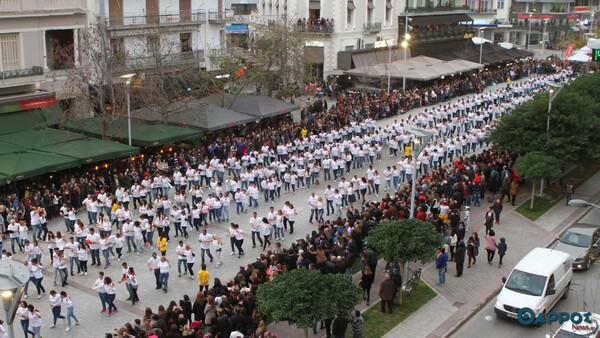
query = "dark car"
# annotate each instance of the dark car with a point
(582, 242)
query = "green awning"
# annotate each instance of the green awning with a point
(40, 137)
(143, 134)
(21, 120)
(7, 148)
(25, 164)
(90, 150)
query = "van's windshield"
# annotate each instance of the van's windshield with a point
(526, 283)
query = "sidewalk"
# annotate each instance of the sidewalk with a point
(480, 283)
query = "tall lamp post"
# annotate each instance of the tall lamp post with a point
(544, 36)
(583, 204)
(389, 45)
(13, 276)
(480, 46)
(127, 78)
(404, 45)
(422, 137)
(553, 91)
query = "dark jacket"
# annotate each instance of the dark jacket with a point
(502, 247)
(442, 261)
(387, 289)
(459, 253)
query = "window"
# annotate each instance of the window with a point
(484, 6)
(350, 13)
(9, 52)
(153, 44)
(370, 10)
(471, 4)
(551, 285)
(388, 12)
(60, 49)
(500, 4)
(244, 9)
(185, 41)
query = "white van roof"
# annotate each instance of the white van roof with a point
(542, 261)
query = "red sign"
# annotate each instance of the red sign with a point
(38, 103)
(581, 8)
(524, 16)
(569, 51)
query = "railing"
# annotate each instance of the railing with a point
(483, 11)
(372, 27)
(445, 32)
(216, 16)
(318, 26)
(432, 8)
(147, 62)
(12, 74)
(137, 19)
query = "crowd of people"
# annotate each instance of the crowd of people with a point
(190, 189)
(315, 25)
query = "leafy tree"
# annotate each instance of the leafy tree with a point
(408, 240)
(538, 166)
(574, 122)
(302, 297)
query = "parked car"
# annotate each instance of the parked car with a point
(537, 282)
(581, 330)
(582, 242)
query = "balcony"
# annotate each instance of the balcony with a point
(166, 61)
(435, 9)
(316, 26)
(163, 18)
(216, 16)
(442, 32)
(372, 28)
(490, 11)
(28, 7)
(19, 77)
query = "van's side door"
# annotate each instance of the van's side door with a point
(548, 301)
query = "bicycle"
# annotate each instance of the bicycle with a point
(413, 281)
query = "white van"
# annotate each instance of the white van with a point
(537, 282)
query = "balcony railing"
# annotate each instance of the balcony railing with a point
(216, 16)
(483, 11)
(12, 74)
(432, 8)
(163, 18)
(442, 32)
(318, 26)
(149, 62)
(372, 27)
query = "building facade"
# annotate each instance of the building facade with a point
(38, 44)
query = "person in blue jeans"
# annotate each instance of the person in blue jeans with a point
(441, 263)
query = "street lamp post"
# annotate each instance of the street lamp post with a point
(389, 66)
(551, 96)
(422, 137)
(480, 46)
(583, 204)
(404, 45)
(13, 276)
(544, 36)
(528, 35)
(127, 78)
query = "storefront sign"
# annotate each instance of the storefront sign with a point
(41, 102)
(524, 16)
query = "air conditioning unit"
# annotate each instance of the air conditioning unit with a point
(361, 43)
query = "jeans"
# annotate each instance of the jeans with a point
(442, 275)
(25, 327)
(129, 240)
(256, 234)
(110, 298)
(157, 278)
(56, 314)
(164, 280)
(225, 212)
(70, 315)
(278, 232)
(179, 263)
(207, 251)
(102, 296)
(95, 256)
(105, 254)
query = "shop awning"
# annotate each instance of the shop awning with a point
(236, 29)
(143, 133)
(197, 114)
(29, 163)
(260, 106)
(420, 68)
(39, 137)
(90, 150)
(7, 148)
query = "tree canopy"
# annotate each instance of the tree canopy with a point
(407, 240)
(302, 297)
(574, 124)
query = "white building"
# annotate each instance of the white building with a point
(357, 24)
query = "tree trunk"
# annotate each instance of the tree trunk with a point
(305, 332)
(404, 275)
(532, 194)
